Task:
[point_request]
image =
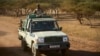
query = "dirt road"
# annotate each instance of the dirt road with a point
(10, 45)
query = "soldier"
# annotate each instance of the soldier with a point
(38, 11)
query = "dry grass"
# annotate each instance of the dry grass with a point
(73, 28)
(82, 37)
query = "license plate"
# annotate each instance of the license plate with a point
(54, 46)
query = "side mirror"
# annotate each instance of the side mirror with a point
(60, 28)
(20, 38)
(22, 29)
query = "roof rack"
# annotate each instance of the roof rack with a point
(34, 16)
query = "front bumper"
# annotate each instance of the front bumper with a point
(53, 46)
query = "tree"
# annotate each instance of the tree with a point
(82, 8)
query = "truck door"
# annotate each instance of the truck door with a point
(29, 34)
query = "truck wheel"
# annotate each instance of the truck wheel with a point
(34, 51)
(24, 45)
(64, 52)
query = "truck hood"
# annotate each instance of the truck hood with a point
(49, 33)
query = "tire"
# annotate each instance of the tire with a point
(34, 51)
(64, 52)
(24, 45)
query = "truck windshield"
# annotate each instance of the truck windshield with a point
(44, 26)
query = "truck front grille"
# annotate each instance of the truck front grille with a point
(53, 39)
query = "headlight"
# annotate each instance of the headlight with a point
(40, 40)
(65, 39)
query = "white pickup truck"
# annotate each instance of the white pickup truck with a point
(42, 34)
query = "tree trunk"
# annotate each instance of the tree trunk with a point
(17, 12)
(20, 12)
(2, 11)
(57, 12)
(79, 18)
(89, 20)
(26, 11)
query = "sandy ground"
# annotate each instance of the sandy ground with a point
(10, 45)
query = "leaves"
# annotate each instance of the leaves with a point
(81, 6)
